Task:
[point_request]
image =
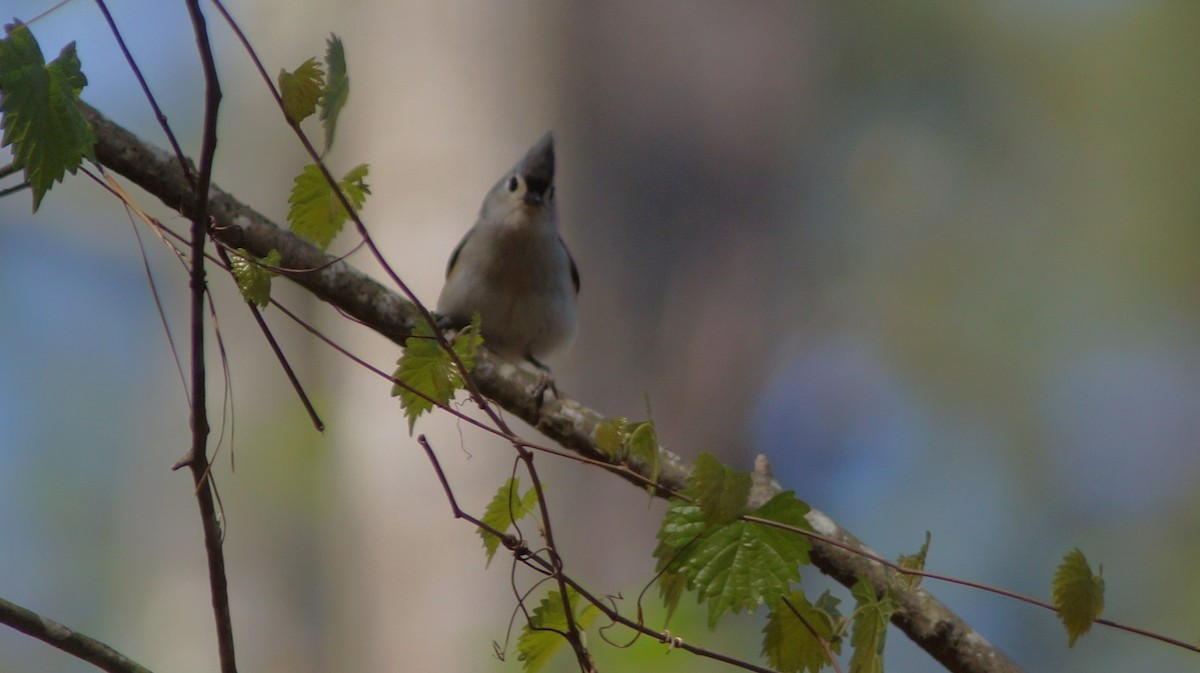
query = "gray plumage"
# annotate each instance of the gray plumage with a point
(513, 267)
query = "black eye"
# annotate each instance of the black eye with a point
(513, 183)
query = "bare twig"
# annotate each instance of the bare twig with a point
(72, 642)
(198, 456)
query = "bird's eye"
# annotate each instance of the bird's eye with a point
(513, 183)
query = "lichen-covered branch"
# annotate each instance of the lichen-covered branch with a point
(920, 615)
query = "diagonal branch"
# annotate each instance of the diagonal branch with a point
(924, 619)
(72, 642)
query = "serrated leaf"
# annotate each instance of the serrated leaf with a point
(542, 636)
(505, 509)
(301, 89)
(738, 565)
(40, 111)
(914, 562)
(670, 589)
(795, 631)
(428, 369)
(254, 281)
(610, 438)
(643, 447)
(316, 213)
(871, 618)
(337, 87)
(1078, 595)
(720, 491)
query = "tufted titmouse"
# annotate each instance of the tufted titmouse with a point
(513, 267)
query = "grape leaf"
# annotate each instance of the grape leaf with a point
(41, 117)
(1078, 594)
(505, 509)
(643, 447)
(316, 213)
(337, 87)
(914, 562)
(870, 627)
(795, 630)
(428, 369)
(611, 436)
(254, 281)
(720, 491)
(737, 565)
(542, 636)
(301, 89)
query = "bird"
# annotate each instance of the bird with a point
(513, 268)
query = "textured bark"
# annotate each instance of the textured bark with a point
(924, 619)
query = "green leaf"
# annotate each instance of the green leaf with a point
(337, 87)
(611, 436)
(870, 627)
(795, 630)
(316, 213)
(39, 106)
(914, 562)
(301, 89)
(428, 369)
(720, 491)
(670, 588)
(1078, 594)
(542, 636)
(643, 447)
(620, 440)
(503, 511)
(733, 566)
(254, 281)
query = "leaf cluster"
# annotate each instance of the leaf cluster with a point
(637, 442)
(426, 375)
(316, 210)
(41, 118)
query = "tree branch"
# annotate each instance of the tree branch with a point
(72, 642)
(924, 619)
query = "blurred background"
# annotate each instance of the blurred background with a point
(939, 261)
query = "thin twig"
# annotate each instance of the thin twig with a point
(525, 555)
(137, 72)
(277, 350)
(199, 460)
(70, 641)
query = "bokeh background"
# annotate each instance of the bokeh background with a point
(940, 261)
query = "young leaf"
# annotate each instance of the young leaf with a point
(670, 589)
(643, 446)
(505, 509)
(428, 369)
(1078, 595)
(795, 631)
(870, 627)
(254, 281)
(40, 112)
(316, 213)
(337, 87)
(914, 562)
(300, 90)
(720, 491)
(611, 436)
(734, 566)
(542, 636)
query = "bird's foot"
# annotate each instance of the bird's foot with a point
(545, 382)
